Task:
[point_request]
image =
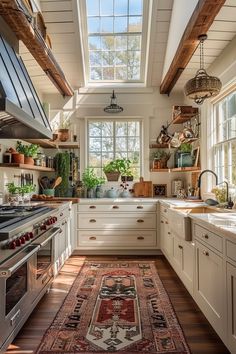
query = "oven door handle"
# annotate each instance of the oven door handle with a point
(43, 240)
(16, 262)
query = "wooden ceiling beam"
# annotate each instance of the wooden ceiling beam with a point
(21, 24)
(199, 23)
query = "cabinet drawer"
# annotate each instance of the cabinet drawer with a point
(117, 208)
(122, 239)
(231, 250)
(208, 237)
(118, 221)
(164, 210)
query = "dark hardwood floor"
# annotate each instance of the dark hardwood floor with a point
(199, 334)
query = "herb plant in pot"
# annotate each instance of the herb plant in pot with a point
(91, 181)
(63, 131)
(126, 172)
(160, 158)
(62, 167)
(30, 152)
(114, 168)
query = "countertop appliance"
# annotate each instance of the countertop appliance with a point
(27, 255)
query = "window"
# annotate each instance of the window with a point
(224, 138)
(114, 139)
(115, 46)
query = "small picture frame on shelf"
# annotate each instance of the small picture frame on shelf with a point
(159, 190)
(196, 156)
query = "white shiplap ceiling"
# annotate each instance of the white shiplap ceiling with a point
(62, 21)
(221, 32)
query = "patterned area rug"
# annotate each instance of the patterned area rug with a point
(115, 307)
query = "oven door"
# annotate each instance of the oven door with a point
(15, 291)
(42, 271)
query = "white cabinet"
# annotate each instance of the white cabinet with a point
(209, 289)
(167, 239)
(231, 301)
(117, 228)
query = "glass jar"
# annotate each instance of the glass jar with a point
(50, 161)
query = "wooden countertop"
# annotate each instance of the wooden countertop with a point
(56, 199)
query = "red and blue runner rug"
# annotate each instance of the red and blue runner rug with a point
(115, 307)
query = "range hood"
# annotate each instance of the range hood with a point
(21, 113)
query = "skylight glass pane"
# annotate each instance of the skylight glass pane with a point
(92, 7)
(114, 39)
(106, 8)
(135, 7)
(121, 7)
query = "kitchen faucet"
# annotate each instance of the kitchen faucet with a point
(200, 178)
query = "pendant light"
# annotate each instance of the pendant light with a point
(202, 86)
(113, 107)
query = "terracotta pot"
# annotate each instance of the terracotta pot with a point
(17, 158)
(112, 176)
(28, 160)
(63, 134)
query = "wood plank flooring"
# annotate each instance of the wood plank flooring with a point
(199, 334)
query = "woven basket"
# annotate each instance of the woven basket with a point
(112, 176)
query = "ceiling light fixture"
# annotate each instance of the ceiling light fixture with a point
(113, 107)
(202, 86)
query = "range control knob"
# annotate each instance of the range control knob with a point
(31, 235)
(43, 227)
(54, 219)
(12, 245)
(27, 236)
(22, 240)
(18, 242)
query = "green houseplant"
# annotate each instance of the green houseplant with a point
(91, 181)
(30, 152)
(114, 168)
(160, 158)
(62, 167)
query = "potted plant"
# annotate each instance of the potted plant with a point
(18, 154)
(125, 170)
(30, 152)
(183, 156)
(62, 167)
(91, 181)
(114, 168)
(160, 158)
(19, 193)
(63, 130)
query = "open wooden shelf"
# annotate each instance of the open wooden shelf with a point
(158, 146)
(160, 169)
(23, 166)
(54, 144)
(186, 169)
(183, 117)
(177, 169)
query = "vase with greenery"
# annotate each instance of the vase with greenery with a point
(91, 181)
(30, 151)
(20, 193)
(62, 167)
(126, 171)
(63, 130)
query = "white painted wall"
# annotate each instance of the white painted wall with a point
(181, 13)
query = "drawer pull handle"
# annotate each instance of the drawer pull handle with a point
(139, 207)
(92, 220)
(140, 238)
(206, 253)
(169, 233)
(165, 210)
(140, 220)
(92, 207)
(61, 214)
(115, 207)
(180, 247)
(166, 223)
(206, 236)
(92, 238)
(162, 222)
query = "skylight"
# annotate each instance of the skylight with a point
(114, 41)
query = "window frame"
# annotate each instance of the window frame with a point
(219, 146)
(114, 119)
(85, 50)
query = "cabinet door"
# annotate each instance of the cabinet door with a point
(231, 300)
(167, 241)
(162, 231)
(60, 247)
(188, 265)
(177, 255)
(210, 287)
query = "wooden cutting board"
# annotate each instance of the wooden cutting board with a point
(143, 189)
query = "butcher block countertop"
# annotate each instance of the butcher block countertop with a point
(56, 199)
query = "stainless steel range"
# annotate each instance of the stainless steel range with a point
(27, 256)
